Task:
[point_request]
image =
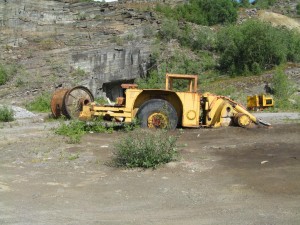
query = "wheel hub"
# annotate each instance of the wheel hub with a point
(157, 120)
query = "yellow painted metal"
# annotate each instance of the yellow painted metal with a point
(262, 101)
(242, 120)
(193, 81)
(190, 108)
(214, 110)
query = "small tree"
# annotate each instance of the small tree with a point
(281, 85)
(6, 114)
(283, 91)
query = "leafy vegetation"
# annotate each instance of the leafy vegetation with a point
(298, 9)
(6, 114)
(145, 148)
(6, 72)
(40, 104)
(255, 46)
(204, 12)
(75, 129)
(283, 91)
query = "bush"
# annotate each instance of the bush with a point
(6, 114)
(255, 46)
(284, 92)
(298, 9)
(3, 75)
(40, 104)
(264, 3)
(204, 12)
(145, 148)
(6, 72)
(282, 87)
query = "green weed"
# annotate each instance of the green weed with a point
(145, 148)
(6, 114)
(6, 72)
(74, 130)
(40, 104)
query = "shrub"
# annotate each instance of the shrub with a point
(264, 3)
(40, 104)
(145, 148)
(282, 87)
(169, 29)
(47, 44)
(6, 114)
(6, 72)
(284, 92)
(255, 46)
(298, 9)
(204, 12)
(3, 75)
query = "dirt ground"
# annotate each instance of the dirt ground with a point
(223, 176)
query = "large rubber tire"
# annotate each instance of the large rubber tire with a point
(157, 113)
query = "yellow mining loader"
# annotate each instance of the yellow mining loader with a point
(156, 108)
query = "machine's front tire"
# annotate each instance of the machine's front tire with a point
(157, 113)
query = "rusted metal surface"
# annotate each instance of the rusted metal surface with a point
(57, 102)
(129, 86)
(75, 99)
(69, 102)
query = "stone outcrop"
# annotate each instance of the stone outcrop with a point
(96, 44)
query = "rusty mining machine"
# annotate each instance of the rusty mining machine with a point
(156, 108)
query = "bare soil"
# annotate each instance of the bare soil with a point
(223, 176)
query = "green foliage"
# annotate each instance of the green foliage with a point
(169, 29)
(194, 38)
(40, 104)
(118, 40)
(283, 91)
(78, 73)
(204, 12)
(6, 114)
(47, 44)
(73, 130)
(3, 75)
(263, 4)
(298, 9)
(179, 62)
(19, 82)
(255, 46)
(6, 72)
(145, 148)
(282, 87)
(294, 46)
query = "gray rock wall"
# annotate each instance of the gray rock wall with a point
(52, 39)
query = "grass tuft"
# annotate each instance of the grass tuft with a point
(145, 148)
(6, 114)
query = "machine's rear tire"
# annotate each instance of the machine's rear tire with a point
(157, 113)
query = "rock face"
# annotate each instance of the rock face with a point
(96, 44)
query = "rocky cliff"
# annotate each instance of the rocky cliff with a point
(66, 43)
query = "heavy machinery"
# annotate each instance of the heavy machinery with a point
(259, 102)
(156, 108)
